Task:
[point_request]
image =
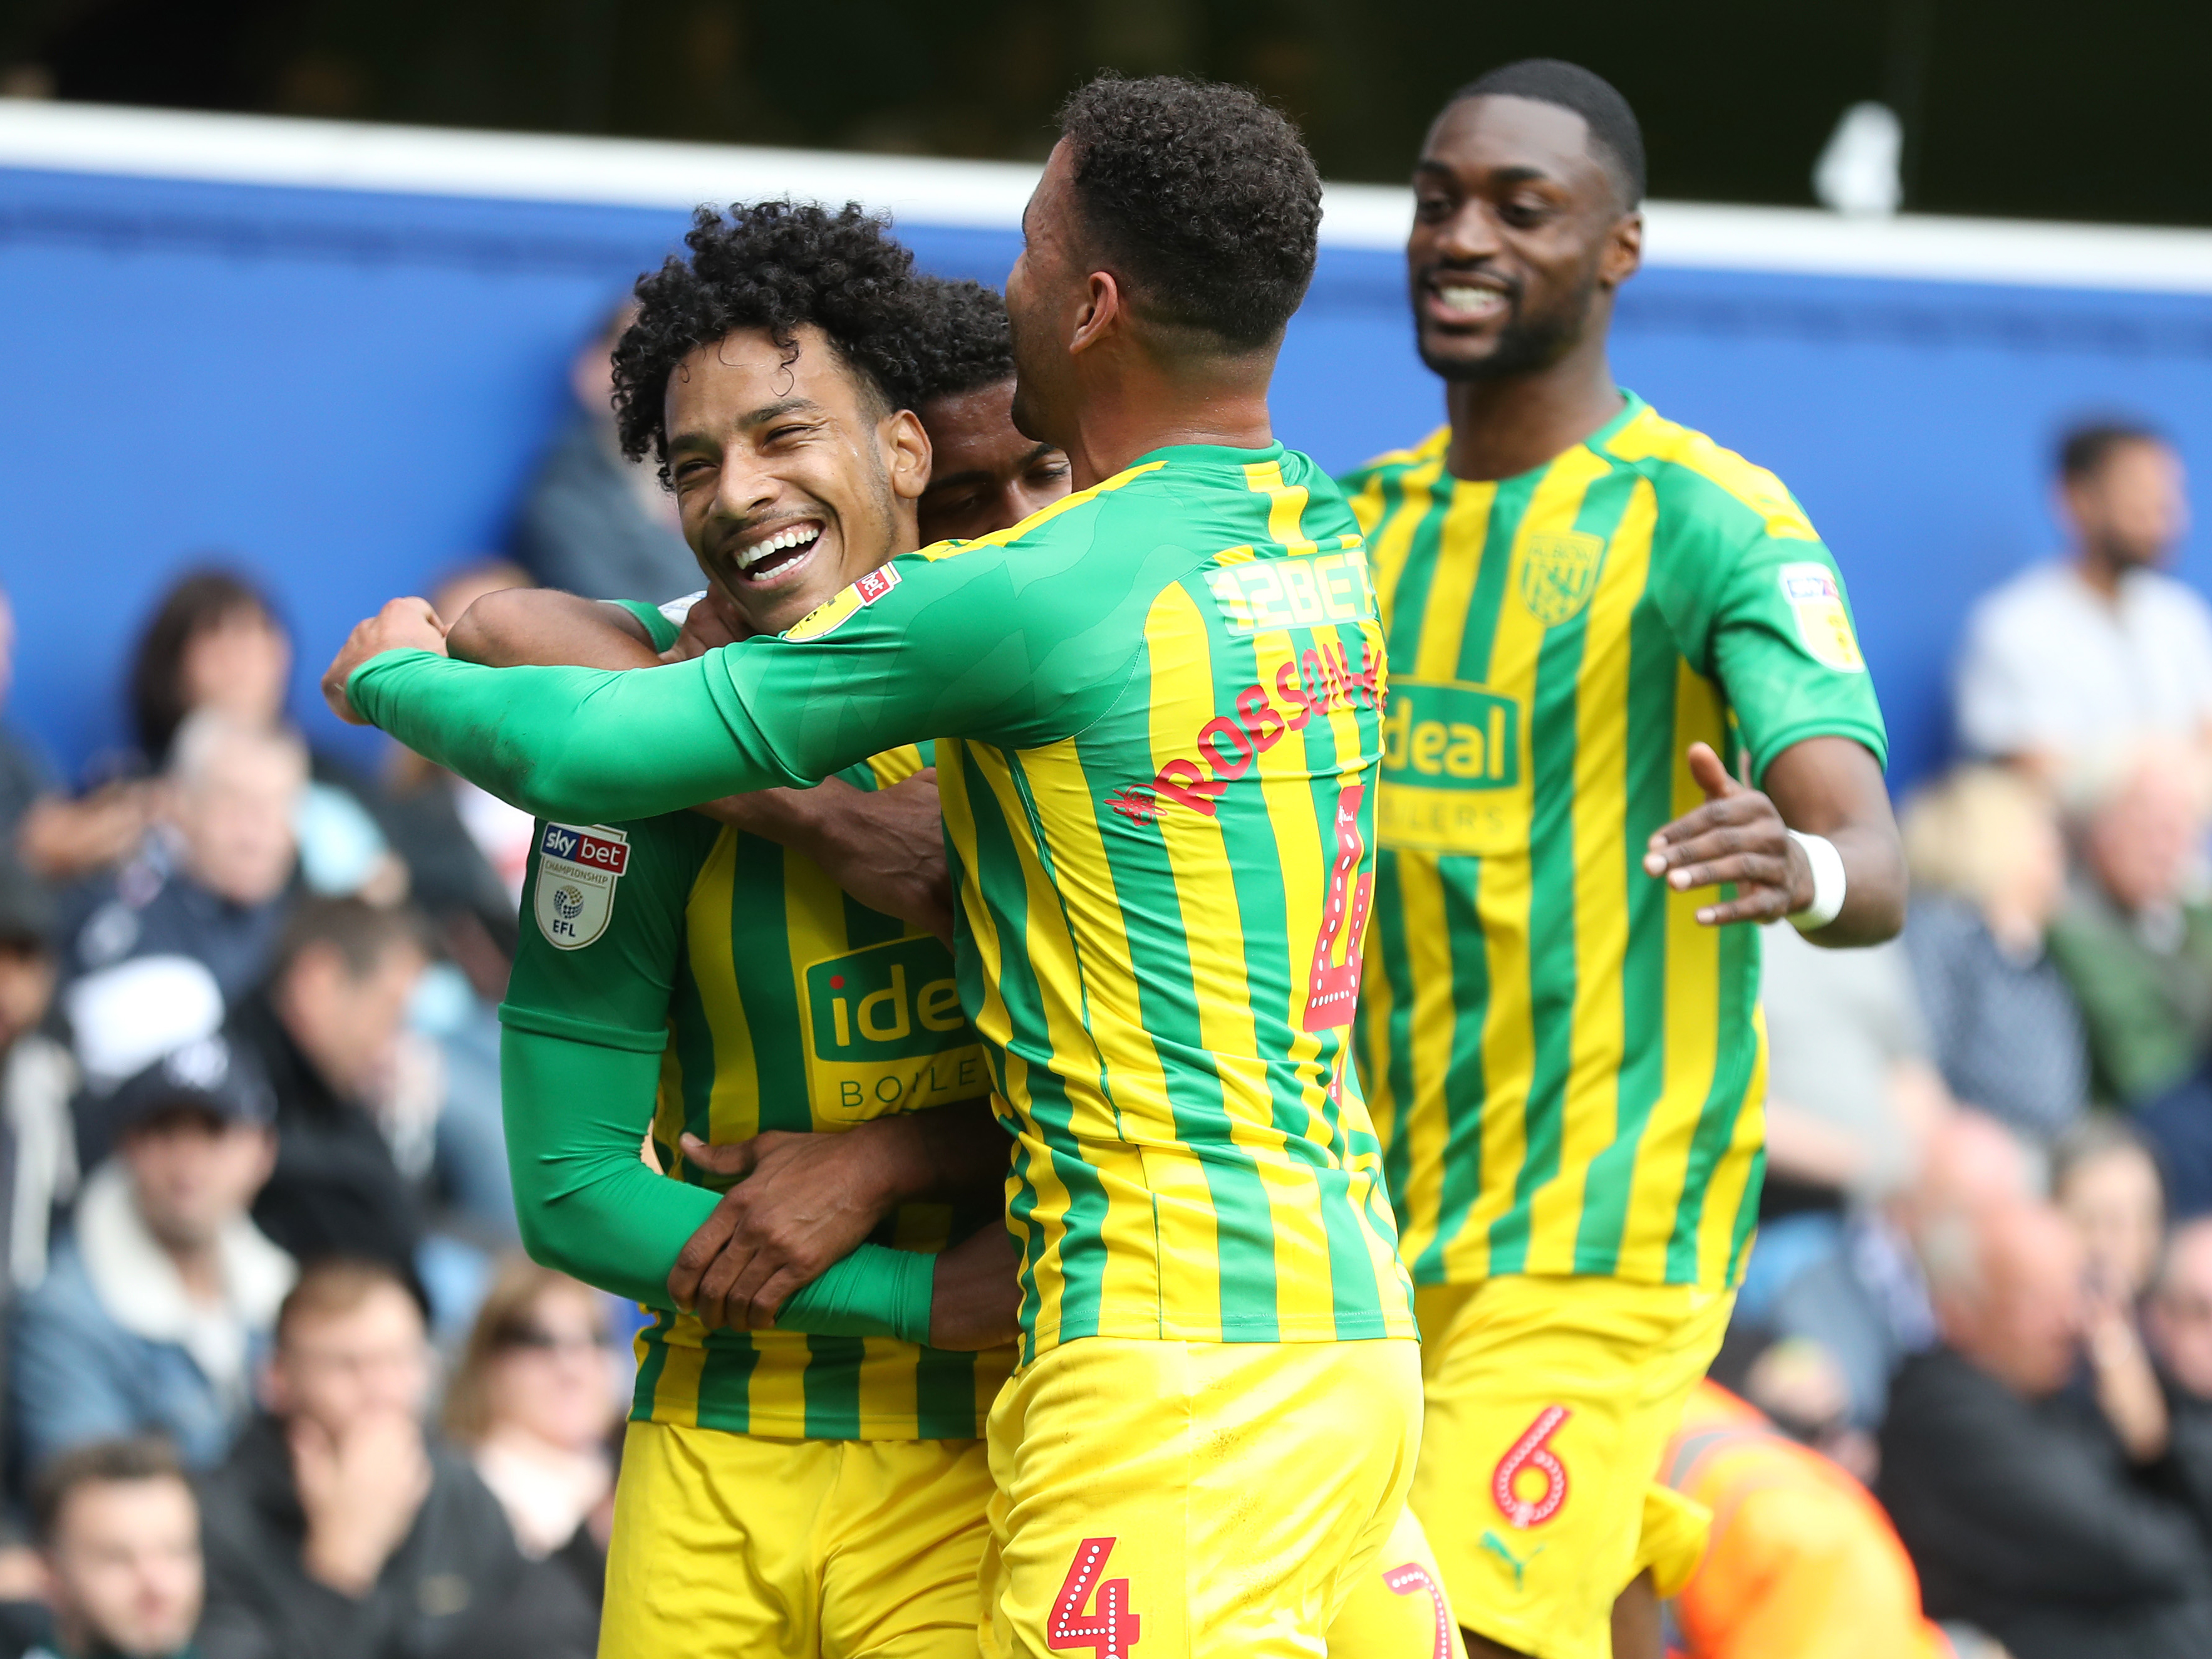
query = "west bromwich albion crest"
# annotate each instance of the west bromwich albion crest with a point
(1558, 573)
(578, 870)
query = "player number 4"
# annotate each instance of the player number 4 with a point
(1333, 986)
(1108, 1629)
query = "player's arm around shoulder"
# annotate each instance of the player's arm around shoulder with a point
(1761, 608)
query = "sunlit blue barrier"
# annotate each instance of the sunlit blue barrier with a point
(336, 369)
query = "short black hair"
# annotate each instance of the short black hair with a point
(363, 934)
(1616, 138)
(1203, 196)
(960, 340)
(101, 1462)
(2084, 450)
(772, 265)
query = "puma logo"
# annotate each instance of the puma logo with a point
(1495, 1546)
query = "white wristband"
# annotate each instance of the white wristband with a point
(1828, 883)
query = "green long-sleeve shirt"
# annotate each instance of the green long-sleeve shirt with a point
(675, 971)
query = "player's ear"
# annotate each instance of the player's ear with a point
(1102, 311)
(1624, 250)
(906, 453)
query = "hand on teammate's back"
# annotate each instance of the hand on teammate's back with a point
(407, 624)
(884, 847)
(976, 1296)
(801, 1202)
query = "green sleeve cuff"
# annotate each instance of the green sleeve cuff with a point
(874, 1292)
(573, 1029)
(1866, 733)
(658, 628)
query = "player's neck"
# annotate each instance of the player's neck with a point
(1129, 414)
(1501, 429)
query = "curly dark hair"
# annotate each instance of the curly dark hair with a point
(1201, 197)
(960, 339)
(773, 265)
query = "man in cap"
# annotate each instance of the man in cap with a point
(160, 1296)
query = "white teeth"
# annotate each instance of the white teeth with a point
(1472, 299)
(799, 536)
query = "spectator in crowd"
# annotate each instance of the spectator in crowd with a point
(2104, 1179)
(118, 1537)
(1989, 873)
(59, 838)
(327, 1027)
(233, 789)
(2135, 939)
(1866, 1306)
(533, 1404)
(2068, 1524)
(215, 642)
(466, 850)
(37, 1079)
(591, 521)
(161, 1295)
(2082, 655)
(337, 1526)
(2178, 1318)
(1852, 1094)
(1801, 1563)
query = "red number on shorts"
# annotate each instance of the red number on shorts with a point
(1404, 1581)
(1333, 987)
(1109, 1629)
(1530, 1452)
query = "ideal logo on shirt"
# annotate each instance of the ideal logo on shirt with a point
(1451, 770)
(887, 1033)
(578, 870)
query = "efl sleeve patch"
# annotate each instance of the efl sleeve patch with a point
(1824, 627)
(578, 870)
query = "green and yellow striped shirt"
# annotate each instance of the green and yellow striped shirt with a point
(1157, 706)
(786, 1004)
(1163, 696)
(1567, 1072)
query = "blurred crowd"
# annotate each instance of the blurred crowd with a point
(278, 1384)
(277, 1380)
(1982, 1280)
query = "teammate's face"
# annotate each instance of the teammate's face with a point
(984, 475)
(1517, 230)
(1047, 293)
(791, 479)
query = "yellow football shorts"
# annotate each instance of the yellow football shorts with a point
(1193, 1500)
(1550, 1399)
(1397, 1608)
(739, 1547)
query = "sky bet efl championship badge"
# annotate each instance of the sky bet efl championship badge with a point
(577, 870)
(1822, 622)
